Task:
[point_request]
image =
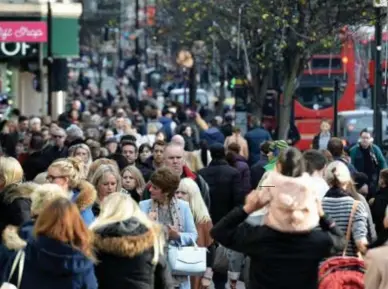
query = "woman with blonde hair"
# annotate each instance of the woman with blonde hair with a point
(133, 182)
(106, 180)
(60, 255)
(68, 174)
(129, 246)
(188, 191)
(82, 152)
(11, 172)
(97, 163)
(342, 202)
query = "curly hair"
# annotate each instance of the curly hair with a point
(166, 180)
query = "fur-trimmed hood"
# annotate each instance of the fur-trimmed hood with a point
(85, 195)
(11, 238)
(17, 191)
(125, 239)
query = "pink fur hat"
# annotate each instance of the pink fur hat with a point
(292, 202)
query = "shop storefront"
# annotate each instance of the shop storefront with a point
(24, 36)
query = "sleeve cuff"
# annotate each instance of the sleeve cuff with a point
(326, 222)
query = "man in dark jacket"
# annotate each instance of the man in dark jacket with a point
(57, 149)
(225, 193)
(35, 163)
(368, 159)
(174, 159)
(224, 184)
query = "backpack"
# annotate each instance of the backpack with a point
(343, 272)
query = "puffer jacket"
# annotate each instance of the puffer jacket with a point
(125, 251)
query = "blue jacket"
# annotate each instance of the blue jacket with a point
(166, 122)
(213, 135)
(189, 233)
(84, 197)
(254, 139)
(52, 264)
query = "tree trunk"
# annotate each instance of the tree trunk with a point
(287, 99)
(260, 87)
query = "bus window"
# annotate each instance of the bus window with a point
(324, 63)
(315, 97)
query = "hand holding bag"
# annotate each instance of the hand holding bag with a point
(187, 261)
(18, 261)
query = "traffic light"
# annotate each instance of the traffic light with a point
(232, 84)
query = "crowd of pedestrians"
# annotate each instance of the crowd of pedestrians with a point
(110, 202)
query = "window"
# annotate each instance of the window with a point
(315, 97)
(324, 63)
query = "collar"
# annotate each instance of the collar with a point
(188, 173)
(336, 192)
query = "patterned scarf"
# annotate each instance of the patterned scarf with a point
(174, 210)
(177, 219)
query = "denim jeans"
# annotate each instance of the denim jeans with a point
(236, 261)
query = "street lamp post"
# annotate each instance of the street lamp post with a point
(377, 119)
(146, 32)
(137, 46)
(49, 59)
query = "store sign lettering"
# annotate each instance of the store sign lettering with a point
(17, 49)
(23, 31)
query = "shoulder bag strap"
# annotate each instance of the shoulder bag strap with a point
(21, 268)
(350, 224)
(15, 264)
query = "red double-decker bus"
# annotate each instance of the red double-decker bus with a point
(314, 95)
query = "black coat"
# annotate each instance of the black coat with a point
(8, 143)
(257, 171)
(52, 153)
(35, 164)
(279, 260)
(224, 188)
(378, 209)
(125, 252)
(15, 205)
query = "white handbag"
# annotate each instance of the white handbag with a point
(187, 261)
(18, 261)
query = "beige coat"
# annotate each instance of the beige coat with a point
(237, 138)
(376, 261)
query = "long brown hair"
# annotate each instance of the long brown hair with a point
(62, 221)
